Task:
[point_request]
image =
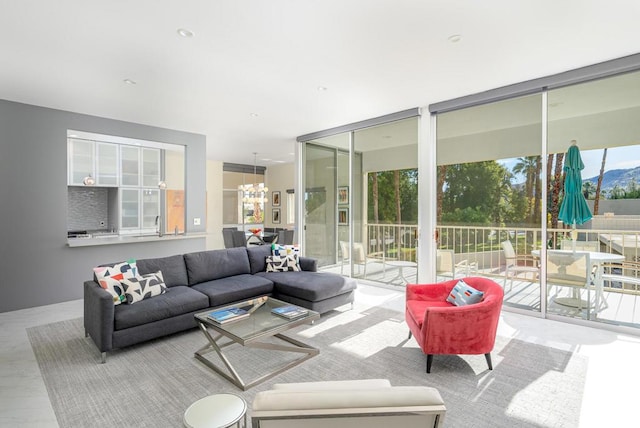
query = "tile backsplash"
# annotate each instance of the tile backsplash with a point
(87, 207)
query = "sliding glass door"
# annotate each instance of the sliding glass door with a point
(360, 207)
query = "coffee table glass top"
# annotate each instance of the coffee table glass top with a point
(259, 324)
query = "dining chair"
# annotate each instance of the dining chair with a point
(285, 237)
(569, 269)
(517, 264)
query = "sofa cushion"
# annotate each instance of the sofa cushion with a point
(284, 250)
(173, 269)
(234, 288)
(310, 286)
(109, 277)
(143, 287)
(257, 257)
(463, 294)
(214, 264)
(176, 301)
(283, 263)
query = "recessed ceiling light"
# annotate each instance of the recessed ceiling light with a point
(183, 32)
(322, 88)
(129, 81)
(253, 114)
(455, 38)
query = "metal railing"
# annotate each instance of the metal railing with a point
(396, 241)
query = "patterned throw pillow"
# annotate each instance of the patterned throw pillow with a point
(288, 263)
(109, 278)
(463, 294)
(284, 250)
(143, 287)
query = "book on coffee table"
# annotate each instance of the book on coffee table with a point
(227, 315)
(290, 312)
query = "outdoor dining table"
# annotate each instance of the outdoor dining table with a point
(597, 259)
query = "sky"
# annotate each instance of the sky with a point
(617, 158)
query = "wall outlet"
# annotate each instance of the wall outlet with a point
(196, 221)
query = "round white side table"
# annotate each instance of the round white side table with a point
(216, 411)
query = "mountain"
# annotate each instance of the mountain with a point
(619, 177)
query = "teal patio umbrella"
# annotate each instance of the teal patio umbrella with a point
(574, 209)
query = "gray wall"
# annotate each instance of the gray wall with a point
(36, 265)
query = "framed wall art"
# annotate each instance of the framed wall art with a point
(343, 216)
(343, 195)
(275, 198)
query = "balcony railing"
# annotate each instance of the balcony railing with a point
(397, 241)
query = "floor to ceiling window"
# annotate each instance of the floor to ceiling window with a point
(360, 203)
(503, 183)
(602, 118)
(489, 191)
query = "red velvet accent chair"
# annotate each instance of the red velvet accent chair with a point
(443, 328)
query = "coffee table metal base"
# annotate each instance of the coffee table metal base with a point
(232, 375)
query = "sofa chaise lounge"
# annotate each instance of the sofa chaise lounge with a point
(202, 280)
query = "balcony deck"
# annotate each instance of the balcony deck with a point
(619, 306)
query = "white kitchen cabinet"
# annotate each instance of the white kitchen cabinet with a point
(106, 164)
(150, 167)
(129, 166)
(81, 161)
(139, 210)
(129, 210)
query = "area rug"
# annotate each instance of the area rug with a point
(151, 384)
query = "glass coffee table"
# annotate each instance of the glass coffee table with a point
(251, 332)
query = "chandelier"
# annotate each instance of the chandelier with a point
(255, 193)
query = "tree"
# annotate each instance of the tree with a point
(558, 185)
(596, 203)
(477, 185)
(528, 166)
(589, 189)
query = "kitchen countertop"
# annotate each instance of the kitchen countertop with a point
(127, 239)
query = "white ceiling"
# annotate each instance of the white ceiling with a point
(268, 57)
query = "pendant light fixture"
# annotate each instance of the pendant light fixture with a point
(256, 192)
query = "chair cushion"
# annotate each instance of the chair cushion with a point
(234, 288)
(417, 308)
(175, 301)
(462, 294)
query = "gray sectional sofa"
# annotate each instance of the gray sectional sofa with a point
(202, 280)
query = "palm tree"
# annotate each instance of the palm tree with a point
(527, 166)
(599, 186)
(589, 189)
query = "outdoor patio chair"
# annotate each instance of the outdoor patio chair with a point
(518, 264)
(570, 270)
(360, 257)
(446, 266)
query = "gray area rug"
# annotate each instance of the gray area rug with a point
(151, 385)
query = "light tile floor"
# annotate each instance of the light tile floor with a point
(609, 398)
